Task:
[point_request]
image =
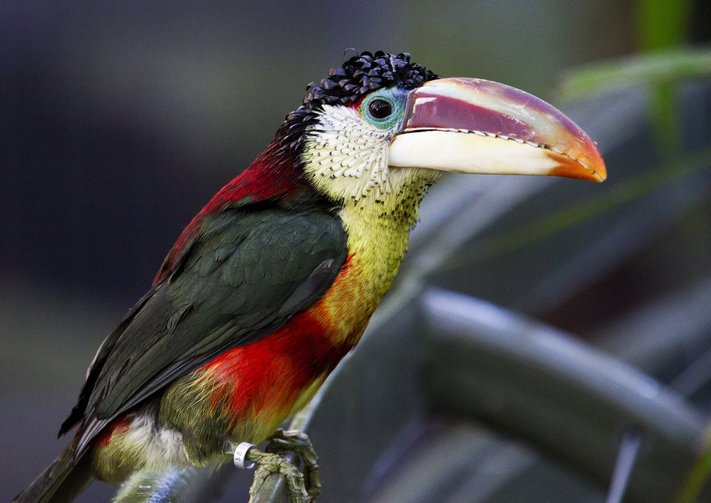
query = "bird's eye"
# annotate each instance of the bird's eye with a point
(380, 109)
(384, 108)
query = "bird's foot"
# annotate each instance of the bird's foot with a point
(298, 442)
(269, 463)
(302, 487)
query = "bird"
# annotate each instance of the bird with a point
(273, 282)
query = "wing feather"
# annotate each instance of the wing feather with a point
(243, 277)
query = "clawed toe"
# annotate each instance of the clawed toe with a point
(302, 487)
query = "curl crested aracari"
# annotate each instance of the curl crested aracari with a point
(274, 280)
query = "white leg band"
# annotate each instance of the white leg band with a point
(241, 454)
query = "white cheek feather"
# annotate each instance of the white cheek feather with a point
(347, 155)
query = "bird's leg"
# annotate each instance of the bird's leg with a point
(298, 442)
(246, 456)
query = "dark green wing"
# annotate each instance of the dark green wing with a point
(245, 275)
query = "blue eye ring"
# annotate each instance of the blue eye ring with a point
(382, 110)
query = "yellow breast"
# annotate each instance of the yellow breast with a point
(376, 247)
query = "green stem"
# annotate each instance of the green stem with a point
(665, 120)
(662, 24)
(661, 67)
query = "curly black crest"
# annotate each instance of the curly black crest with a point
(364, 73)
(359, 75)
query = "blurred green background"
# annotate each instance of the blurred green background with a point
(118, 120)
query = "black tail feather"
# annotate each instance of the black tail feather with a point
(60, 482)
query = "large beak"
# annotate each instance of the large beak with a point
(478, 126)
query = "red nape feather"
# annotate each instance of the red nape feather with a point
(269, 375)
(273, 174)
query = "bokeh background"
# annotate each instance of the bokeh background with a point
(118, 120)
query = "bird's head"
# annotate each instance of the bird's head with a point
(379, 130)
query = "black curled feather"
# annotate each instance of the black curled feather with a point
(359, 75)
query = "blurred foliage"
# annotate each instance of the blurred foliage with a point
(582, 211)
(699, 475)
(662, 28)
(663, 24)
(667, 67)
